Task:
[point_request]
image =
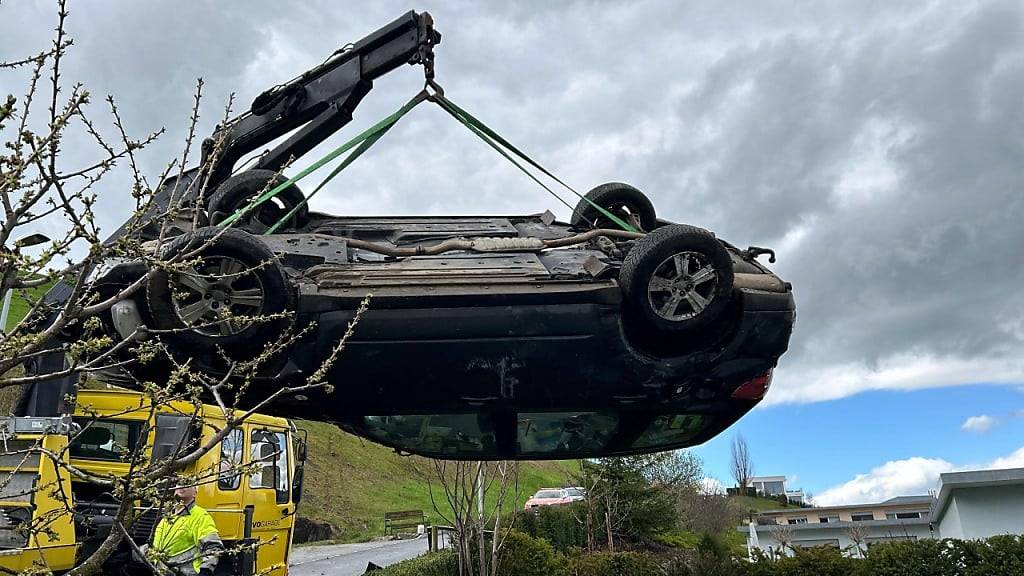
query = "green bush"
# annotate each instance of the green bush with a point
(999, 555)
(524, 555)
(615, 564)
(443, 563)
(556, 524)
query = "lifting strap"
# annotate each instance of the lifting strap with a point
(368, 137)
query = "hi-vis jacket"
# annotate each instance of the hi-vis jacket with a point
(186, 542)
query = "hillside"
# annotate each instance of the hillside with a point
(351, 482)
(759, 504)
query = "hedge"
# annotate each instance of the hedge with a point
(525, 555)
(443, 563)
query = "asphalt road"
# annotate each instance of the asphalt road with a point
(351, 559)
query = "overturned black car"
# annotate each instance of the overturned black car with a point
(486, 337)
(512, 337)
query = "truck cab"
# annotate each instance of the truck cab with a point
(251, 507)
(36, 527)
(254, 506)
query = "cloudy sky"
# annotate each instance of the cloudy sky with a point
(875, 145)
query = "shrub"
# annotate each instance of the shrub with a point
(556, 524)
(615, 564)
(1000, 555)
(524, 555)
(443, 563)
(920, 558)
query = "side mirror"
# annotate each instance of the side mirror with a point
(300, 446)
(297, 484)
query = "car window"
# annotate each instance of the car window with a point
(548, 494)
(573, 492)
(228, 477)
(545, 433)
(105, 439)
(436, 433)
(669, 429)
(269, 449)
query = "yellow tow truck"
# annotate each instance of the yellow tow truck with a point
(250, 507)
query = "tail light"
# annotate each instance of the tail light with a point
(755, 388)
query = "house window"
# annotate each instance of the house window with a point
(798, 520)
(827, 542)
(893, 538)
(862, 517)
(902, 515)
(827, 519)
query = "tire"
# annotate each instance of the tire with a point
(651, 281)
(237, 191)
(620, 199)
(236, 273)
(116, 279)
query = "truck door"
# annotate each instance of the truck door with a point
(270, 495)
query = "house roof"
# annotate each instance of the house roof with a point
(951, 481)
(768, 528)
(899, 500)
(923, 500)
(767, 479)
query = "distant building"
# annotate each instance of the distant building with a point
(901, 518)
(769, 485)
(795, 496)
(772, 486)
(979, 504)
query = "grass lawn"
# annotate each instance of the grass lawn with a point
(759, 504)
(351, 482)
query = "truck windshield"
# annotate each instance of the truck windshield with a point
(102, 439)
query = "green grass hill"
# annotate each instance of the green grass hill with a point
(352, 482)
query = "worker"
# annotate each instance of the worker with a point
(186, 542)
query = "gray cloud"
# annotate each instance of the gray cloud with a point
(876, 145)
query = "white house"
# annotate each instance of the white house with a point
(850, 528)
(979, 504)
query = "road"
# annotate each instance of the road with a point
(351, 559)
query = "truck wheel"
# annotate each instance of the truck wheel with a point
(239, 190)
(223, 295)
(677, 279)
(620, 199)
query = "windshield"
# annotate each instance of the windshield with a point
(533, 435)
(105, 439)
(548, 494)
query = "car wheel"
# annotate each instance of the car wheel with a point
(115, 280)
(677, 279)
(623, 200)
(223, 295)
(239, 190)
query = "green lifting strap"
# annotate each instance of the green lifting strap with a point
(368, 137)
(493, 139)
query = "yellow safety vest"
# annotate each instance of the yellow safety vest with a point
(179, 540)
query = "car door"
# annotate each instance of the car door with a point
(270, 495)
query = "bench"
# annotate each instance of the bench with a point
(403, 519)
